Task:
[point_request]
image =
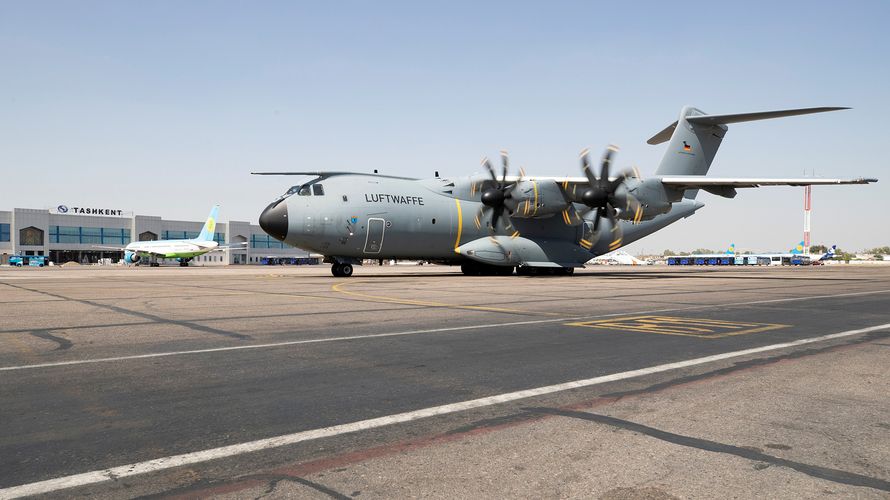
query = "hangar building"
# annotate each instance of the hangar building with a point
(71, 234)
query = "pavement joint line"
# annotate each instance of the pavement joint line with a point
(169, 462)
(416, 332)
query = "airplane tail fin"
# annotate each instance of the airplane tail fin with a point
(829, 254)
(731, 249)
(798, 249)
(696, 136)
(207, 232)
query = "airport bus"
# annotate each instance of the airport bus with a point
(28, 260)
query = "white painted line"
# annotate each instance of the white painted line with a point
(416, 332)
(159, 464)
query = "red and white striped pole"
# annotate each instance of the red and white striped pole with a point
(807, 208)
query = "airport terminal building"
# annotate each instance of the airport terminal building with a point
(72, 234)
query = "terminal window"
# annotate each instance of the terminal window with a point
(188, 235)
(31, 236)
(89, 235)
(4, 232)
(265, 241)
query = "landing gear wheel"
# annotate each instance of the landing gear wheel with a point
(346, 270)
(567, 271)
(183, 264)
(342, 270)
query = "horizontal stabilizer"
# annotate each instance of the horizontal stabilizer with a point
(750, 117)
(668, 131)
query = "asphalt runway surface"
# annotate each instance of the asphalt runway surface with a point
(281, 381)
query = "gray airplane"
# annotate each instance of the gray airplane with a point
(491, 225)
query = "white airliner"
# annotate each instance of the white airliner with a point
(181, 250)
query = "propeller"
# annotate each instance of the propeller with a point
(603, 195)
(495, 195)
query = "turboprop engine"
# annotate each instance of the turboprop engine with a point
(537, 199)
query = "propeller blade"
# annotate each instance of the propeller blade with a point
(589, 238)
(607, 161)
(570, 216)
(509, 229)
(585, 167)
(495, 213)
(617, 233)
(477, 220)
(505, 163)
(600, 213)
(487, 165)
(633, 206)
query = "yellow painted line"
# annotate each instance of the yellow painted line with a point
(460, 225)
(535, 184)
(686, 327)
(411, 302)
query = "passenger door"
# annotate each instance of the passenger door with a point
(374, 236)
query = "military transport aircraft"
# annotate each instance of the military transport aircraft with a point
(491, 225)
(183, 250)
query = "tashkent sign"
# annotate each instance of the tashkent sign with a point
(71, 210)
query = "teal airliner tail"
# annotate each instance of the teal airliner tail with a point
(207, 232)
(798, 249)
(731, 249)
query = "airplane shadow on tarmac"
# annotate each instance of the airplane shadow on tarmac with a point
(645, 275)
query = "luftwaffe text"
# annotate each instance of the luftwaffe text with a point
(393, 198)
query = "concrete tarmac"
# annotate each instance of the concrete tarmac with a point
(407, 381)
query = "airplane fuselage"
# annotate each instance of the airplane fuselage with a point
(363, 216)
(179, 249)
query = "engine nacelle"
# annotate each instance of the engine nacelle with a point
(653, 197)
(131, 257)
(537, 199)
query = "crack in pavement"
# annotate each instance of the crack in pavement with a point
(747, 364)
(157, 319)
(45, 335)
(826, 473)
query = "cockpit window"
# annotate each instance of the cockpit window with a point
(303, 190)
(318, 190)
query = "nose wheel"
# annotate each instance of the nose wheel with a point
(341, 270)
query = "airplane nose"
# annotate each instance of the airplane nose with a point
(273, 220)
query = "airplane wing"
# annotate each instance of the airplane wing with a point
(124, 249)
(228, 248)
(726, 186)
(703, 182)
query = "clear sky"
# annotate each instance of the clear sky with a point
(164, 107)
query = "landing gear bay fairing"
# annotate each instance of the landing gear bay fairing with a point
(491, 224)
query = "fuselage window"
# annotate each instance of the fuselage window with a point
(318, 190)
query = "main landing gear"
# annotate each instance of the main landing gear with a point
(341, 270)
